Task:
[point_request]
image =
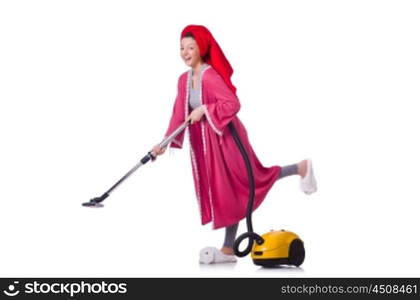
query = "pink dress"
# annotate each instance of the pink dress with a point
(220, 174)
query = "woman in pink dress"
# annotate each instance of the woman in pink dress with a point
(207, 99)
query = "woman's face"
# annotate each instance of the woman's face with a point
(190, 52)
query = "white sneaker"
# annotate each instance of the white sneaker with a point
(212, 255)
(308, 182)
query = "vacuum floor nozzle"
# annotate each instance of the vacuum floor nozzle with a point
(94, 203)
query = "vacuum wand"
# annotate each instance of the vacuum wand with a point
(96, 202)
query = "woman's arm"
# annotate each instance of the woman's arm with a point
(178, 115)
(224, 103)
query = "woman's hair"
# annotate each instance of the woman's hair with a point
(189, 34)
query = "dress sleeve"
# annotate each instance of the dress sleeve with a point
(224, 106)
(177, 118)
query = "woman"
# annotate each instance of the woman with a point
(207, 99)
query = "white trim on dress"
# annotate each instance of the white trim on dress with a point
(210, 121)
(204, 143)
(193, 159)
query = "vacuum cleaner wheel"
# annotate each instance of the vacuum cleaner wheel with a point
(295, 257)
(296, 252)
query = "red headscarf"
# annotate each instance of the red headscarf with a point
(211, 52)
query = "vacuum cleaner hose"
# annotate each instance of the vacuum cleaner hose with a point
(250, 234)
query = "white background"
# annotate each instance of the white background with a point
(87, 87)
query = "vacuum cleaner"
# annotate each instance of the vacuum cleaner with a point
(274, 248)
(269, 250)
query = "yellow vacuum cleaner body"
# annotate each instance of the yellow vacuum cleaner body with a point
(280, 247)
